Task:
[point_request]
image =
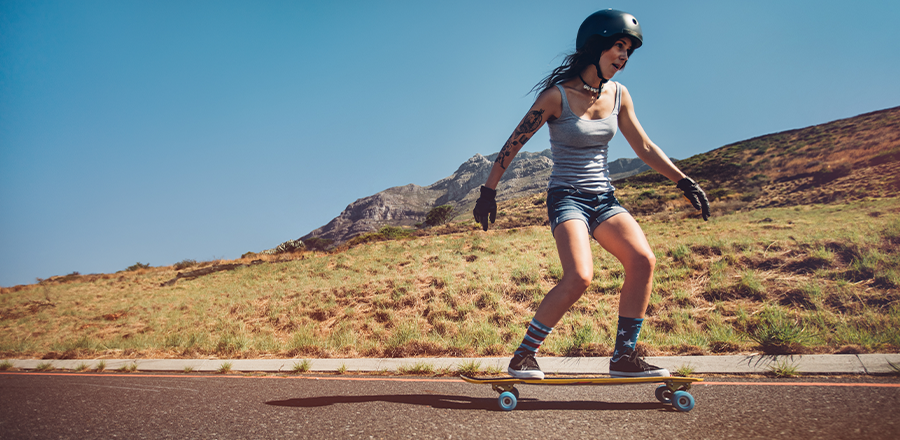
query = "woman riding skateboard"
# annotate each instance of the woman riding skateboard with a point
(583, 110)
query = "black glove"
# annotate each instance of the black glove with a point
(695, 195)
(486, 207)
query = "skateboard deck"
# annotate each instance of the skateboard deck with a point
(674, 390)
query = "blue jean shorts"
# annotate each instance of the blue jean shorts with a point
(565, 204)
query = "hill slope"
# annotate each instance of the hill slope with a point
(847, 159)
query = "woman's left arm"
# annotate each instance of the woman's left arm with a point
(646, 150)
(654, 156)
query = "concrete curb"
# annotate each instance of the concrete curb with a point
(733, 364)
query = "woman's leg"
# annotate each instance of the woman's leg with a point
(573, 243)
(621, 236)
(574, 246)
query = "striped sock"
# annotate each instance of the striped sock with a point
(626, 336)
(534, 337)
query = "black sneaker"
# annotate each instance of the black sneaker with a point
(631, 365)
(525, 367)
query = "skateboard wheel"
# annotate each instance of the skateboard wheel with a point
(507, 401)
(664, 394)
(682, 401)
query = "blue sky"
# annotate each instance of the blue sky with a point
(160, 131)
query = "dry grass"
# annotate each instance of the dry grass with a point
(730, 285)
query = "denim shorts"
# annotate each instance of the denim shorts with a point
(565, 204)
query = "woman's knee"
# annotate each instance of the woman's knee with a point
(577, 282)
(644, 262)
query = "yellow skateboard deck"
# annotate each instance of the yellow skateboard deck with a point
(675, 390)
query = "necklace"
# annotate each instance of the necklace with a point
(588, 87)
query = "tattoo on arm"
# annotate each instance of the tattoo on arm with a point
(522, 134)
(504, 153)
(531, 122)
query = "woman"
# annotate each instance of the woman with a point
(583, 111)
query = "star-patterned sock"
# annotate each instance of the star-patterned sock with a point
(534, 337)
(626, 336)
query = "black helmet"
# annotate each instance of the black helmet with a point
(607, 23)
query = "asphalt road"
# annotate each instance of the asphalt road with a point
(58, 405)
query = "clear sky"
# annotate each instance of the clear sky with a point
(158, 131)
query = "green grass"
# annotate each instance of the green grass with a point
(301, 367)
(224, 368)
(778, 333)
(44, 366)
(5, 365)
(469, 368)
(188, 369)
(82, 367)
(101, 366)
(417, 369)
(810, 278)
(128, 368)
(783, 368)
(684, 371)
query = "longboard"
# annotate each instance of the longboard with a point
(675, 390)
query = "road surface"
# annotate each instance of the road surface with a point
(108, 405)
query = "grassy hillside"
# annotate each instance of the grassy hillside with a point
(802, 254)
(848, 159)
(819, 278)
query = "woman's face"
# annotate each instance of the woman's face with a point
(614, 59)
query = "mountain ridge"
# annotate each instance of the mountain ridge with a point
(408, 205)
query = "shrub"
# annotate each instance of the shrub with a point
(393, 232)
(776, 333)
(184, 264)
(317, 244)
(138, 266)
(439, 215)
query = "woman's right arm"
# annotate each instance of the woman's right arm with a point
(547, 107)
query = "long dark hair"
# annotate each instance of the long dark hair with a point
(576, 62)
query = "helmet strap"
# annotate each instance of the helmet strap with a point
(599, 75)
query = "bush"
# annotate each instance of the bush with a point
(317, 244)
(138, 266)
(184, 264)
(439, 215)
(778, 333)
(393, 232)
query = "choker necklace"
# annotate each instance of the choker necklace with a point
(588, 87)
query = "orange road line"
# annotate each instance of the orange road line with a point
(804, 384)
(425, 379)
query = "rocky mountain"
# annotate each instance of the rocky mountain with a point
(408, 205)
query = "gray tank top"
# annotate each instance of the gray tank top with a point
(580, 148)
